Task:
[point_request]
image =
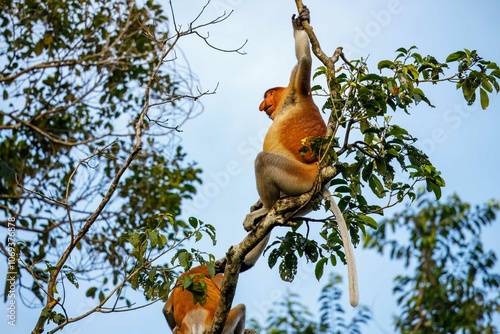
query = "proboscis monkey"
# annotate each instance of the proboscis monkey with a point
(185, 316)
(281, 168)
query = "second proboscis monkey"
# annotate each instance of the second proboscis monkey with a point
(282, 167)
(187, 316)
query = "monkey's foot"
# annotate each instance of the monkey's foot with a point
(256, 206)
(253, 218)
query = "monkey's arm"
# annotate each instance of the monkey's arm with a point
(301, 75)
(168, 312)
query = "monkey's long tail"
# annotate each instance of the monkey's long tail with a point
(349, 253)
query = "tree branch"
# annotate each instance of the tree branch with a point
(51, 301)
(282, 210)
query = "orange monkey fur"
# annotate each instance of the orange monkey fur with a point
(185, 316)
(281, 168)
(292, 124)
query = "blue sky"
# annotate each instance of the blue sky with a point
(463, 142)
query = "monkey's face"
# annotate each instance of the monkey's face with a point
(272, 98)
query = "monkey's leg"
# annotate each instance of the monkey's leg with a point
(276, 174)
(235, 323)
(253, 256)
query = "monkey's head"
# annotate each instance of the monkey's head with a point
(272, 98)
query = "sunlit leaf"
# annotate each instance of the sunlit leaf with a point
(485, 100)
(385, 64)
(368, 221)
(455, 56)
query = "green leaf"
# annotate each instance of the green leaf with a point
(369, 136)
(467, 89)
(343, 189)
(193, 222)
(186, 281)
(381, 166)
(134, 239)
(485, 100)
(455, 56)
(91, 292)
(385, 64)
(311, 251)
(371, 77)
(333, 260)
(152, 273)
(72, 278)
(315, 88)
(367, 171)
(153, 237)
(496, 73)
(368, 221)
(486, 84)
(47, 39)
(397, 131)
(376, 186)
(392, 152)
(338, 181)
(431, 186)
(403, 50)
(288, 267)
(184, 258)
(39, 47)
(211, 269)
(412, 71)
(364, 125)
(273, 258)
(320, 71)
(320, 267)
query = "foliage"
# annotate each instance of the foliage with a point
(453, 288)
(332, 312)
(93, 100)
(291, 316)
(371, 154)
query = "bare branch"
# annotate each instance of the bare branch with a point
(193, 29)
(50, 137)
(237, 50)
(51, 302)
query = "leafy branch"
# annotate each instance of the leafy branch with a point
(94, 94)
(359, 102)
